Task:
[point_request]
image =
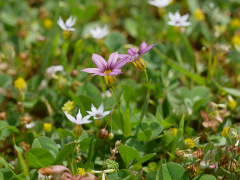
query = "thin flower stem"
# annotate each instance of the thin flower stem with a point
(113, 108)
(147, 79)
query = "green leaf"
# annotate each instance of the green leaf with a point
(21, 176)
(136, 145)
(160, 175)
(174, 171)
(85, 144)
(115, 40)
(123, 173)
(88, 166)
(209, 146)
(46, 143)
(63, 133)
(66, 150)
(232, 91)
(128, 154)
(204, 177)
(196, 78)
(50, 52)
(145, 158)
(131, 26)
(127, 124)
(121, 92)
(193, 5)
(77, 50)
(151, 175)
(178, 136)
(39, 157)
(5, 82)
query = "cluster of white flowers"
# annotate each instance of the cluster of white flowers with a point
(95, 113)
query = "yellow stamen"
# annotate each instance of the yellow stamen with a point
(107, 71)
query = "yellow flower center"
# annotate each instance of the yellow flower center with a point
(199, 15)
(81, 171)
(107, 71)
(47, 127)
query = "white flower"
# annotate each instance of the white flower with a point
(68, 25)
(79, 120)
(160, 3)
(99, 33)
(103, 172)
(178, 20)
(30, 125)
(53, 69)
(98, 113)
(42, 177)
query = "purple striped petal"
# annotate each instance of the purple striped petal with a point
(142, 46)
(92, 70)
(99, 74)
(145, 50)
(120, 63)
(112, 60)
(99, 61)
(121, 56)
(132, 51)
(115, 72)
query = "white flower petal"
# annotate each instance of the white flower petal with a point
(61, 23)
(100, 109)
(106, 113)
(94, 110)
(70, 118)
(79, 116)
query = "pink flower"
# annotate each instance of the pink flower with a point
(107, 69)
(134, 55)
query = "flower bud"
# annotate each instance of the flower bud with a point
(74, 73)
(109, 79)
(103, 133)
(110, 164)
(111, 136)
(97, 122)
(199, 15)
(47, 23)
(140, 64)
(66, 34)
(77, 131)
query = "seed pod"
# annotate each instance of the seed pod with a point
(74, 73)
(103, 133)
(77, 131)
(198, 154)
(111, 136)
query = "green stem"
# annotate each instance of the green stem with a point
(116, 101)
(147, 79)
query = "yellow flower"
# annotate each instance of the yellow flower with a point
(20, 84)
(47, 127)
(190, 143)
(68, 106)
(174, 131)
(199, 15)
(224, 133)
(232, 103)
(47, 23)
(236, 40)
(235, 23)
(81, 171)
